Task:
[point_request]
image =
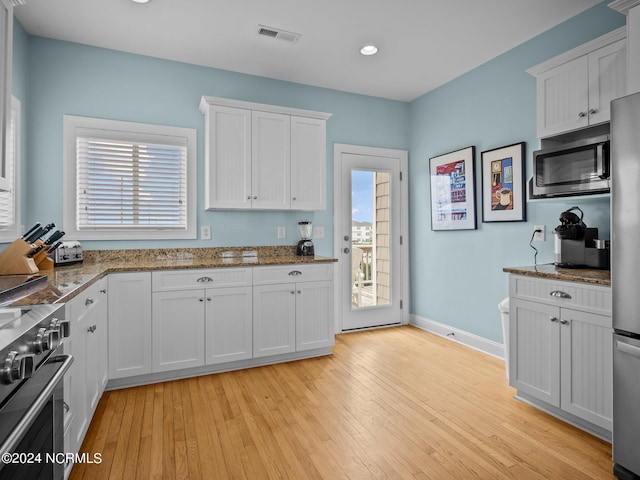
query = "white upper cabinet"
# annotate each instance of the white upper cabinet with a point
(308, 172)
(573, 90)
(271, 161)
(263, 156)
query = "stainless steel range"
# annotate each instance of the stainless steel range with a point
(31, 402)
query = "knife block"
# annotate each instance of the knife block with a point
(42, 259)
(14, 259)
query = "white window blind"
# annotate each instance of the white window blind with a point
(131, 184)
(8, 221)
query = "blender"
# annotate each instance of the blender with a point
(305, 246)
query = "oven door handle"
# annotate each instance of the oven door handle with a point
(13, 439)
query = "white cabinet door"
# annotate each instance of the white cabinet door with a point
(607, 79)
(587, 366)
(178, 330)
(314, 315)
(274, 319)
(270, 160)
(129, 324)
(308, 163)
(534, 366)
(228, 325)
(228, 157)
(562, 98)
(103, 333)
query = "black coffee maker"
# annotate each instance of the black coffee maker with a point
(578, 246)
(305, 246)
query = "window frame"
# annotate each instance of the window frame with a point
(128, 129)
(10, 234)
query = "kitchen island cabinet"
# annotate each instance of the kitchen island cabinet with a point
(561, 349)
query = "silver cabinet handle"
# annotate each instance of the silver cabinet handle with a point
(92, 328)
(66, 407)
(294, 199)
(292, 292)
(204, 280)
(346, 250)
(295, 273)
(582, 114)
(255, 197)
(564, 322)
(299, 292)
(593, 111)
(248, 197)
(208, 299)
(559, 294)
(104, 290)
(201, 299)
(89, 301)
(553, 319)
(346, 238)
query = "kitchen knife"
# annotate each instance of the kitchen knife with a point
(55, 236)
(34, 235)
(39, 233)
(54, 247)
(36, 250)
(30, 231)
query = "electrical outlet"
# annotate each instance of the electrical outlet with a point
(538, 236)
(205, 232)
(318, 232)
(282, 232)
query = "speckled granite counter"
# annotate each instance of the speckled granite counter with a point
(65, 282)
(582, 275)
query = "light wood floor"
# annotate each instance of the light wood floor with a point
(390, 403)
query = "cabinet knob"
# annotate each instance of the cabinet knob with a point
(593, 111)
(208, 299)
(299, 292)
(553, 319)
(104, 290)
(564, 322)
(292, 292)
(248, 197)
(92, 328)
(559, 294)
(88, 301)
(582, 114)
(255, 197)
(201, 299)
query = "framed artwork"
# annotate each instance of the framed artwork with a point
(453, 196)
(503, 184)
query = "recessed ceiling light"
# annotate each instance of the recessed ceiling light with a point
(369, 50)
(140, 1)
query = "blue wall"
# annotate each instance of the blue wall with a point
(456, 276)
(67, 78)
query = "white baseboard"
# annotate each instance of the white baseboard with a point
(467, 339)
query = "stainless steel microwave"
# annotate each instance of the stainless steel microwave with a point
(576, 168)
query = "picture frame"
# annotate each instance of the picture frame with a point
(453, 193)
(503, 184)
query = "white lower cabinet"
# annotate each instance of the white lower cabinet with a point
(193, 325)
(228, 325)
(293, 316)
(178, 330)
(87, 377)
(129, 324)
(562, 355)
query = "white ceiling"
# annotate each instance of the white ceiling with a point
(423, 43)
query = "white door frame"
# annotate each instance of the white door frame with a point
(339, 290)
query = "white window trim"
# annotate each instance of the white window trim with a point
(10, 234)
(71, 124)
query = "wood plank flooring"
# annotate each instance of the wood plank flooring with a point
(396, 403)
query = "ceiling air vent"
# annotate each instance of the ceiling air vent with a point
(278, 33)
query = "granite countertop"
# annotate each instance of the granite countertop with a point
(65, 282)
(582, 275)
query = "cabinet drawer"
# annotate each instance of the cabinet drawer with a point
(292, 273)
(200, 278)
(579, 296)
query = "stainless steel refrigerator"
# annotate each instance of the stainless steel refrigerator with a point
(625, 283)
